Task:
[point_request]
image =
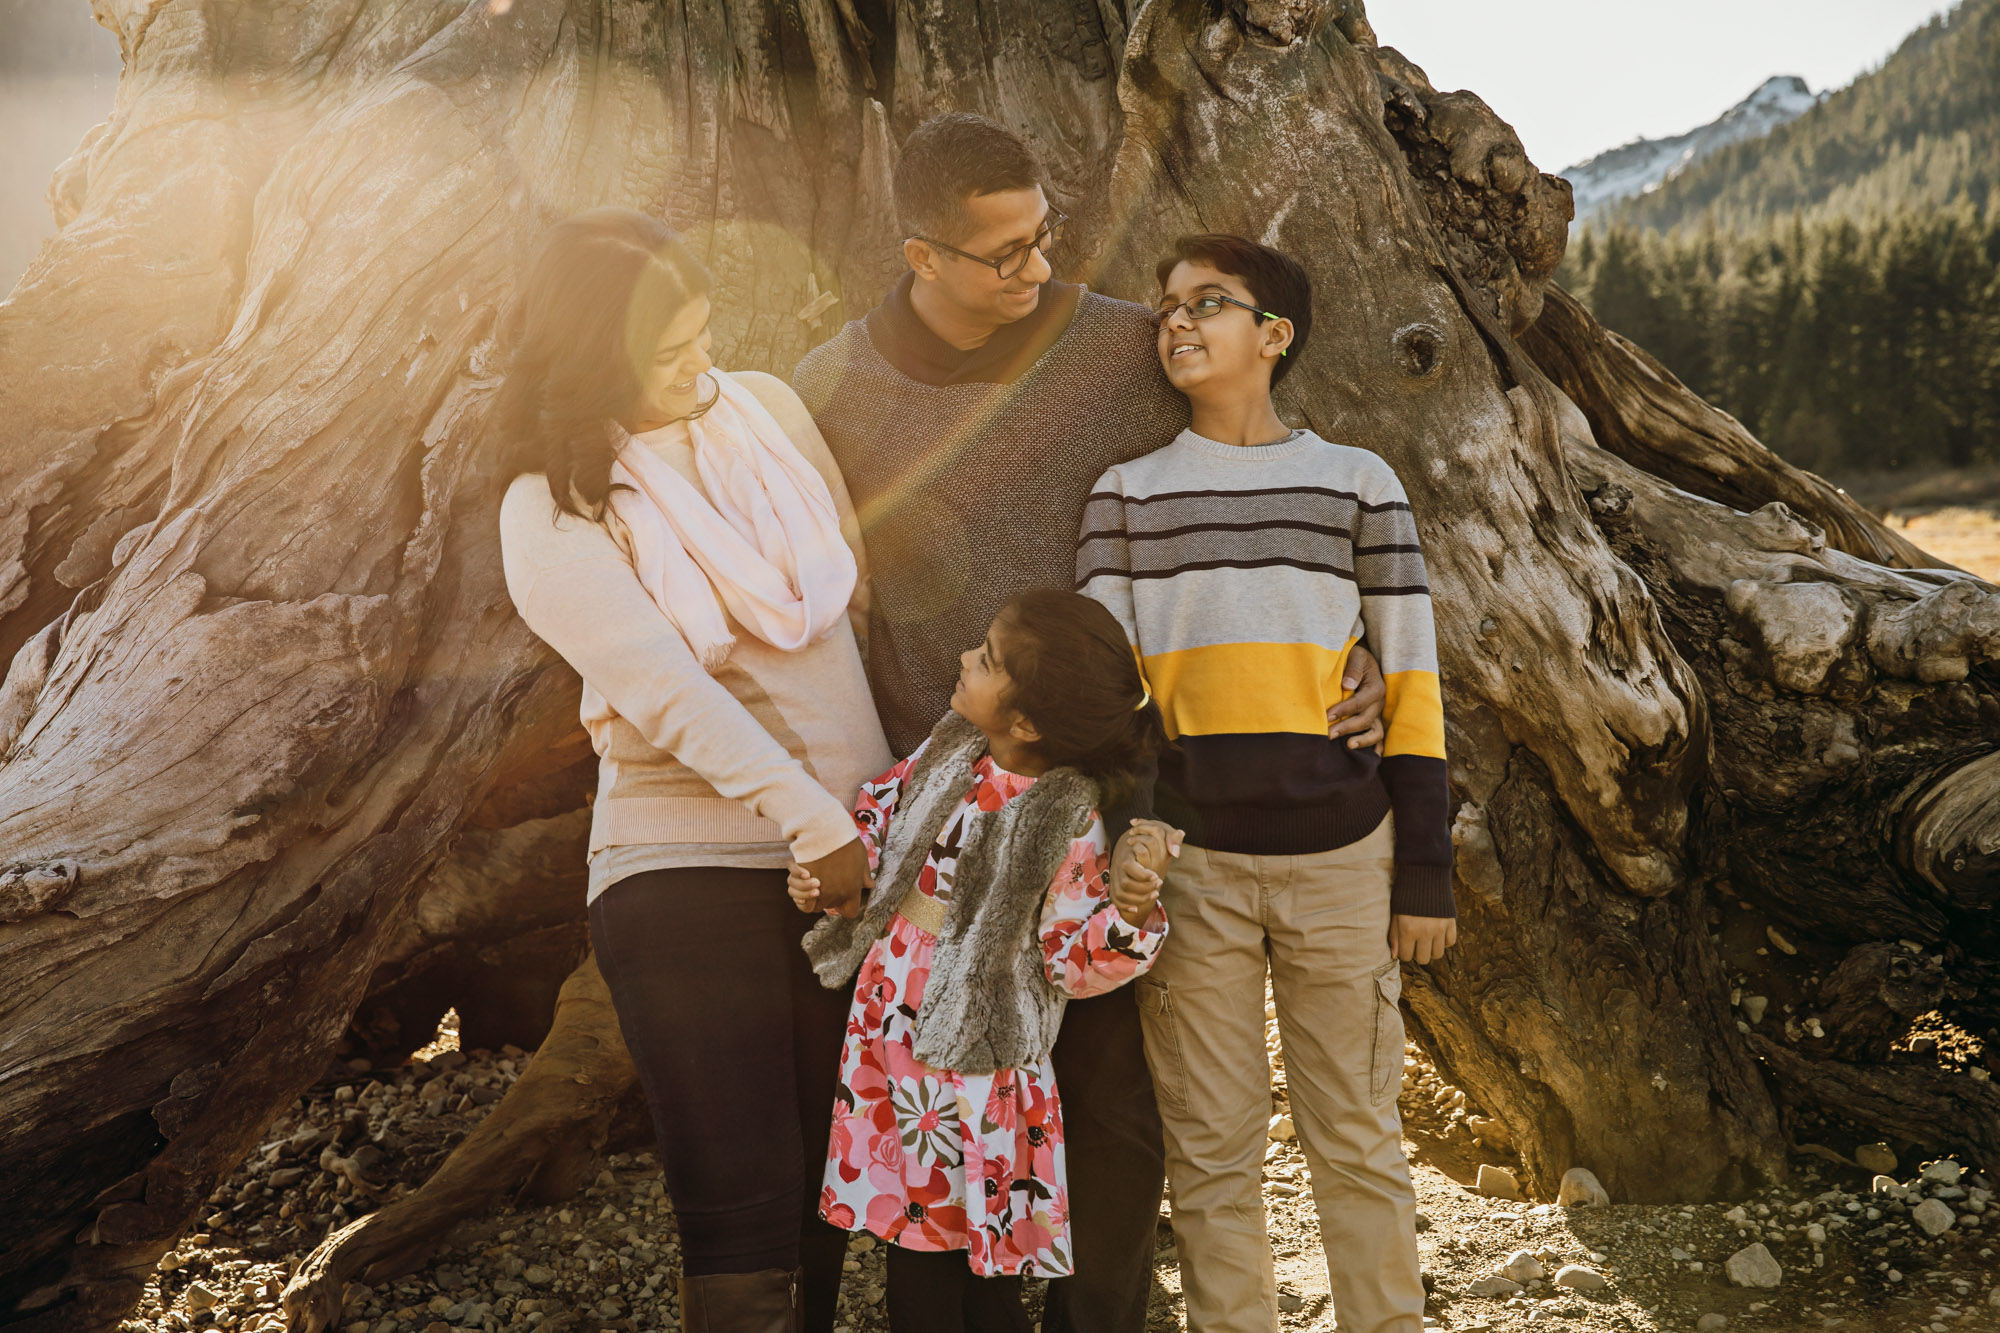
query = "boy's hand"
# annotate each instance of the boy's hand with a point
(836, 881)
(1422, 939)
(1359, 716)
(1137, 867)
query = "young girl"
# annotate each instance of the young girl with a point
(992, 904)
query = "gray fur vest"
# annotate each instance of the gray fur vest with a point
(988, 1005)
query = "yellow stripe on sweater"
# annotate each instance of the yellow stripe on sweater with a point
(1233, 688)
(1415, 712)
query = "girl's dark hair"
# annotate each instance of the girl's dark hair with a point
(1276, 281)
(1074, 676)
(602, 288)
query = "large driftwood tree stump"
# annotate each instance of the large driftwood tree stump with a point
(274, 747)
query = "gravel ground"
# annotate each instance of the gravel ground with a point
(1846, 1255)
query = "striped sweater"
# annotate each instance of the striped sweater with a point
(1243, 578)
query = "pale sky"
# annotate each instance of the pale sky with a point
(1575, 77)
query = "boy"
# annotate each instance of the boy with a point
(1243, 560)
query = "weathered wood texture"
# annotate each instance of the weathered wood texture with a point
(273, 746)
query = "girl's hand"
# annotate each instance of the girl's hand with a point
(1137, 864)
(802, 887)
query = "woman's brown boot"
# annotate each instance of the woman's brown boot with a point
(766, 1302)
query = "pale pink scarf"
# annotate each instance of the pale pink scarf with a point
(764, 542)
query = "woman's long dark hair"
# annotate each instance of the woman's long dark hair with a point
(603, 286)
(1074, 677)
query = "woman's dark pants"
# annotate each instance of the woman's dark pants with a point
(738, 1049)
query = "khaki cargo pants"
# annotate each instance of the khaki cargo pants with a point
(1320, 923)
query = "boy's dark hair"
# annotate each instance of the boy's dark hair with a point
(1074, 676)
(952, 158)
(1278, 283)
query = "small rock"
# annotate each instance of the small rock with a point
(1282, 1130)
(1888, 1185)
(1934, 1216)
(285, 1177)
(1580, 1189)
(1497, 1182)
(1423, 1222)
(1290, 1302)
(201, 1298)
(1522, 1266)
(1579, 1278)
(1710, 1323)
(1945, 1172)
(1753, 1266)
(538, 1276)
(1779, 942)
(1816, 1234)
(1494, 1286)
(1754, 1007)
(1876, 1157)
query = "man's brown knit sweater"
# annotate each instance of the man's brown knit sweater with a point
(969, 470)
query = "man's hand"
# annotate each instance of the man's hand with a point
(1422, 939)
(1359, 716)
(834, 883)
(1138, 865)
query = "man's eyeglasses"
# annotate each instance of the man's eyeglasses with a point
(1206, 305)
(1014, 260)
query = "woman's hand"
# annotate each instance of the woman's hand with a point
(1422, 939)
(1137, 866)
(1359, 716)
(835, 883)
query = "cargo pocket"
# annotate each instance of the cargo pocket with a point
(1385, 1061)
(1163, 1043)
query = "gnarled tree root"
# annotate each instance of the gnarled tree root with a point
(1639, 411)
(540, 1139)
(1928, 1106)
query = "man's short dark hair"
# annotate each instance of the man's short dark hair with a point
(952, 158)
(1276, 281)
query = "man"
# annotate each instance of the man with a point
(970, 412)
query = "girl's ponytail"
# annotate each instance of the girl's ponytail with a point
(1075, 678)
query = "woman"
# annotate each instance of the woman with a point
(682, 537)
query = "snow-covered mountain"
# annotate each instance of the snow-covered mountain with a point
(1644, 163)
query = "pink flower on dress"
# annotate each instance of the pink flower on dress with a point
(835, 1212)
(1031, 1235)
(941, 1223)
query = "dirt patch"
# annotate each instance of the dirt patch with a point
(1964, 535)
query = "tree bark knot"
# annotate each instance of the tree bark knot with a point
(39, 887)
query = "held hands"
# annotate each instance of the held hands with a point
(1422, 939)
(1359, 716)
(1137, 866)
(834, 884)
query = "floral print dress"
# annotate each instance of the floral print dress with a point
(935, 1160)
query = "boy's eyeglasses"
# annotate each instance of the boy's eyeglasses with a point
(1205, 306)
(1014, 260)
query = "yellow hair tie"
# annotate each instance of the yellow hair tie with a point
(1145, 695)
